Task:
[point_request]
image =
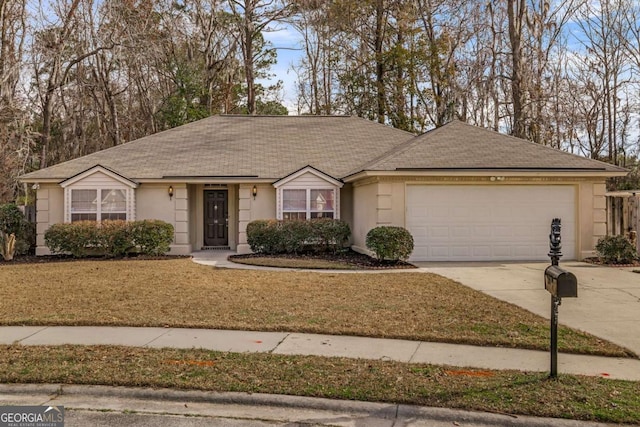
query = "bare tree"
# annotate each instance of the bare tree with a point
(603, 59)
(15, 136)
(253, 18)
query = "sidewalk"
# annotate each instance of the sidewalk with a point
(325, 345)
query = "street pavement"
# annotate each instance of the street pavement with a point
(98, 406)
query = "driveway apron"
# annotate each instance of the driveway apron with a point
(608, 303)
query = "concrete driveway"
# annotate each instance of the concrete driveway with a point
(608, 303)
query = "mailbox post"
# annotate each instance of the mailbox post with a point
(559, 283)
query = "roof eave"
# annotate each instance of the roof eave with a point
(487, 172)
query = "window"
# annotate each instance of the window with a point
(85, 206)
(322, 204)
(308, 203)
(113, 205)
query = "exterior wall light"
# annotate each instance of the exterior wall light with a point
(254, 191)
(170, 191)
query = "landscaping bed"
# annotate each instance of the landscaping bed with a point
(343, 260)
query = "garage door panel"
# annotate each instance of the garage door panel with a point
(482, 251)
(438, 251)
(482, 231)
(460, 251)
(460, 232)
(466, 223)
(439, 232)
(500, 252)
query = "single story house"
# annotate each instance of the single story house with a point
(465, 193)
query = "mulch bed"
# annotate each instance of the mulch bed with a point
(32, 259)
(350, 257)
(598, 261)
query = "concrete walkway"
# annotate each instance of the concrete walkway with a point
(324, 345)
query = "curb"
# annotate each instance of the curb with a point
(385, 411)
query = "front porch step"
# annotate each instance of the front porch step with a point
(216, 248)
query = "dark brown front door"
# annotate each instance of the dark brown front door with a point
(216, 218)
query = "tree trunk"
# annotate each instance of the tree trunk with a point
(380, 66)
(516, 13)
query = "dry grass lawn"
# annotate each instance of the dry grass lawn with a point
(180, 293)
(583, 398)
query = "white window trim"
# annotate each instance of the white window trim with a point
(308, 210)
(129, 194)
(116, 182)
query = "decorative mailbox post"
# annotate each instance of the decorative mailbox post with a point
(560, 284)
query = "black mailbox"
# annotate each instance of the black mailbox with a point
(560, 283)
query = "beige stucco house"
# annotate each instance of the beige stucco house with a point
(465, 193)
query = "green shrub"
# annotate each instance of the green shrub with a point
(12, 221)
(331, 234)
(264, 236)
(390, 243)
(110, 238)
(75, 238)
(151, 237)
(616, 250)
(295, 236)
(114, 238)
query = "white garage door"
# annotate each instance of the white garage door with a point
(489, 223)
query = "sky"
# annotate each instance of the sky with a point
(287, 42)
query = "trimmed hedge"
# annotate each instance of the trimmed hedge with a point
(75, 238)
(616, 250)
(151, 236)
(110, 238)
(390, 243)
(295, 236)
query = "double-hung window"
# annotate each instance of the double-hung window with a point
(307, 203)
(98, 204)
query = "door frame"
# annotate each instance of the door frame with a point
(204, 215)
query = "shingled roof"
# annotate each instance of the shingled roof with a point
(461, 146)
(271, 147)
(263, 147)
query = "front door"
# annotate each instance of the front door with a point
(216, 218)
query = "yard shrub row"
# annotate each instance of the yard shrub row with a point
(295, 236)
(110, 238)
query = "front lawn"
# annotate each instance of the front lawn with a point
(511, 392)
(180, 293)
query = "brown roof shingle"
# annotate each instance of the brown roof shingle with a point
(271, 147)
(461, 146)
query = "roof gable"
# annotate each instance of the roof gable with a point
(98, 170)
(310, 170)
